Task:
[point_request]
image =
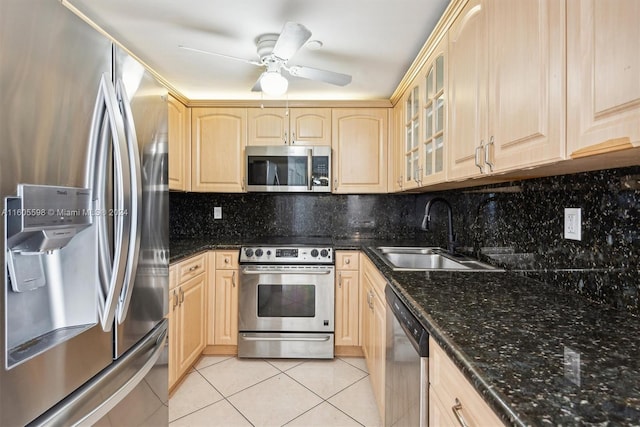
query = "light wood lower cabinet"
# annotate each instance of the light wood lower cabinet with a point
(226, 299)
(187, 314)
(373, 327)
(222, 305)
(451, 395)
(347, 306)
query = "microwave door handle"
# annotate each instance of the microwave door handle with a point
(309, 169)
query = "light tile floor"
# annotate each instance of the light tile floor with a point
(227, 391)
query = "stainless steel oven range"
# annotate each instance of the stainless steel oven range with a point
(286, 299)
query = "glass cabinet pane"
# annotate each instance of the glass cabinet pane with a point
(439, 119)
(428, 158)
(430, 90)
(428, 120)
(439, 160)
(439, 73)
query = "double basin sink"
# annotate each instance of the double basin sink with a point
(401, 258)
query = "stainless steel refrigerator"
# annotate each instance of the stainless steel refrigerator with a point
(83, 181)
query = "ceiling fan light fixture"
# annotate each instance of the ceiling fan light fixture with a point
(273, 83)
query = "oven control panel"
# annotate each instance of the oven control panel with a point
(286, 255)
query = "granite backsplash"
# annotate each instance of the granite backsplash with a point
(518, 225)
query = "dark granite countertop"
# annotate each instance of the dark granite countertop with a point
(509, 335)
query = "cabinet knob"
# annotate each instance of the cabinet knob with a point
(347, 261)
(233, 279)
(227, 260)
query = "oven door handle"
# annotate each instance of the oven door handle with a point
(250, 337)
(249, 270)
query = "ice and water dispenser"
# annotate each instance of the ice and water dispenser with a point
(51, 274)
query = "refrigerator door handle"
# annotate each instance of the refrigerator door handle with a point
(135, 206)
(107, 124)
(102, 393)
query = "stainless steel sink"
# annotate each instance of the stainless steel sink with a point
(428, 259)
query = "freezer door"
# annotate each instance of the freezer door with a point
(145, 292)
(50, 71)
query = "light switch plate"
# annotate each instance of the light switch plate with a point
(573, 223)
(217, 212)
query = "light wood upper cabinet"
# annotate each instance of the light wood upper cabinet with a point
(218, 141)
(360, 143)
(281, 126)
(396, 156)
(603, 76)
(424, 123)
(179, 137)
(506, 86)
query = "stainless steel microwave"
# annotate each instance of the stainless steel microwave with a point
(288, 168)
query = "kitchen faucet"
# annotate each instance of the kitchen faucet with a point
(427, 219)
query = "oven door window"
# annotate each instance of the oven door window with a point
(286, 301)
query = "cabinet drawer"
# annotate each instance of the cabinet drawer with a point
(452, 388)
(227, 260)
(347, 260)
(191, 268)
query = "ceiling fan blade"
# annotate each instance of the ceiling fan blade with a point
(206, 52)
(332, 77)
(257, 87)
(292, 38)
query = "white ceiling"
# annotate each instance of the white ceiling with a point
(375, 41)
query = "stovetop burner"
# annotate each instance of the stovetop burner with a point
(288, 250)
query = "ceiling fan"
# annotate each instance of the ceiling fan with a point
(275, 51)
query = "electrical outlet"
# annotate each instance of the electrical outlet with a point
(572, 365)
(217, 212)
(573, 223)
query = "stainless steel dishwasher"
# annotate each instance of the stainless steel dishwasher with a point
(407, 367)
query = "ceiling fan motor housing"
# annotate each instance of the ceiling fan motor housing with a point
(265, 44)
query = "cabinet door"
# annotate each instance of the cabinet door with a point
(191, 321)
(347, 308)
(359, 141)
(267, 126)
(374, 327)
(310, 126)
(226, 308)
(434, 134)
(218, 141)
(173, 337)
(412, 167)
(467, 90)
(603, 69)
(378, 332)
(526, 83)
(396, 160)
(179, 138)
